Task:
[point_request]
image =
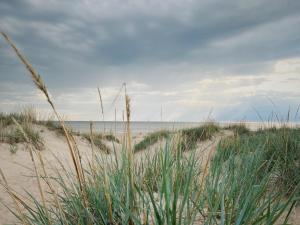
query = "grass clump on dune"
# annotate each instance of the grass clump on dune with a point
(240, 189)
(9, 133)
(97, 140)
(15, 136)
(279, 146)
(190, 137)
(53, 126)
(112, 138)
(238, 129)
(27, 115)
(151, 139)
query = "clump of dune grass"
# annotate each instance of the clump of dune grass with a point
(97, 140)
(106, 137)
(12, 135)
(27, 115)
(279, 146)
(240, 189)
(238, 129)
(151, 139)
(112, 138)
(191, 136)
(13, 148)
(2, 131)
(15, 136)
(53, 126)
(9, 133)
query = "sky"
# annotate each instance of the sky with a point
(181, 60)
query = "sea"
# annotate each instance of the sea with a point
(137, 127)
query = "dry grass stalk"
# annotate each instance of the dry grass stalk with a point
(107, 196)
(127, 99)
(115, 122)
(130, 155)
(93, 147)
(52, 189)
(15, 199)
(204, 174)
(31, 150)
(42, 87)
(101, 104)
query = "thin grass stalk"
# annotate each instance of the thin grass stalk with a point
(115, 122)
(124, 129)
(202, 179)
(14, 198)
(31, 150)
(129, 155)
(107, 196)
(93, 148)
(102, 109)
(41, 86)
(77, 153)
(52, 189)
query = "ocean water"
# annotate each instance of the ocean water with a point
(136, 127)
(146, 127)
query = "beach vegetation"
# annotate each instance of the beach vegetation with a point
(150, 139)
(237, 186)
(191, 136)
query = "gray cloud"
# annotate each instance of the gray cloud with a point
(165, 45)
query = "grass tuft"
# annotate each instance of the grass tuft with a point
(98, 141)
(112, 138)
(151, 139)
(9, 133)
(279, 146)
(190, 137)
(238, 129)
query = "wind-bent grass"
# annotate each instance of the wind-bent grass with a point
(98, 141)
(112, 138)
(151, 139)
(238, 129)
(53, 126)
(280, 146)
(166, 189)
(190, 137)
(27, 115)
(239, 189)
(14, 136)
(10, 134)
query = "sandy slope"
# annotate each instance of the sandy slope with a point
(18, 167)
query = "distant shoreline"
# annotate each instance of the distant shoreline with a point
(151, 126)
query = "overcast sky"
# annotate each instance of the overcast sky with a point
(239, 59)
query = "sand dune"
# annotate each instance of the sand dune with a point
(18, 167)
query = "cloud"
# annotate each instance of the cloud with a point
(187, 56)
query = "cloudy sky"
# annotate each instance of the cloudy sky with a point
(233, 59)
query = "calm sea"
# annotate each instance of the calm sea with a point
(145, 127)
(136, 127)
